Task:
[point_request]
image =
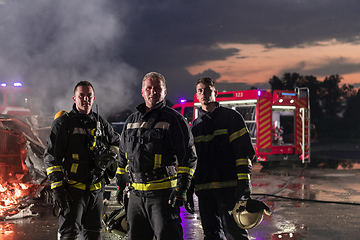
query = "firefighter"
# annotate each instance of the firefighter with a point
(224, 151)
(80, 147)
(158, 152)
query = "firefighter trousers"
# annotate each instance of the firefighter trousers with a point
(83, 217)
(216, 220)
(153, 216)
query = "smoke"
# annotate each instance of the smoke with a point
(52, 45)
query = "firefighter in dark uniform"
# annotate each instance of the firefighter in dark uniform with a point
(222, 176)
(157, 151)
(80, 147)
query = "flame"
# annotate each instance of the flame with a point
(10, 193)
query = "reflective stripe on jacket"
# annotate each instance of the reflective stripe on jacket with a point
(168, 142)
(223, 147)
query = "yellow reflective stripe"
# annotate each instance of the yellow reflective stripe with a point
(243, 161)
(136, 125)
(210, 137)
(74, 167)
(187, 170)
(243, 176)
(56, 184)
(238, 134)
(82, 186)
(53, 169)
(165, 183)
(162, 125)
(215, 185)
(141, 124)
(95, 186)
(120, 171)
(203, 138)
(220, 132)
(157, 160)
(75, 156)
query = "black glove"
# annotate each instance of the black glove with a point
(242, 189)
(177, 197)
(62, 198)
(189, 205)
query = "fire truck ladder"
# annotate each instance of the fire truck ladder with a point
(304, 114)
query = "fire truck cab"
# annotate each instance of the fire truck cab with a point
(278, 122)
(186, 109)
(15, 100)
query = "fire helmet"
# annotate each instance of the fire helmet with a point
(116, 222)
(58, 114)
(249, 213)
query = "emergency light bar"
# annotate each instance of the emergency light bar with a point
(289, 94)
(239, 101)
(232, 102)
(3, 84)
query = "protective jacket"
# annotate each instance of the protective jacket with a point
(157, 150)
(73, 147)
(224, 151)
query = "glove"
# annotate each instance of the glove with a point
(189, 205)
(242, 189)
(177, 197)
(62, 198)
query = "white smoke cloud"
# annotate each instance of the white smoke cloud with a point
(52, 45)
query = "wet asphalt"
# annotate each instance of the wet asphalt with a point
(316, 201)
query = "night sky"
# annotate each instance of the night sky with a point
(50, 45)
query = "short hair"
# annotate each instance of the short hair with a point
(84, 84)
(154, 75)
(206, 81)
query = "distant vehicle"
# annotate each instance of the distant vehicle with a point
(278, 122)
(118, 120)
(186, 109)
(15, 100)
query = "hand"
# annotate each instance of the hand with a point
(62, 198)
(242, 189)
(189, 205)
(177, 197)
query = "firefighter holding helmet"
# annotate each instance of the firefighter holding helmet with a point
(80, 148)
(222, 176)
(157, 151)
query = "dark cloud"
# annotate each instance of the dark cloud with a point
(170, 36)
(329, 67)
(54, 44)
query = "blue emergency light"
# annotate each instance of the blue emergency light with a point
(289, 94)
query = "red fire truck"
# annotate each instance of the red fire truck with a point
(15, 100)
(278, 122)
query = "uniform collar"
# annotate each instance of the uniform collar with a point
(142, 107)
(202, 112)
(82, 116)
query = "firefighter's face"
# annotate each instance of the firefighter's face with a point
(205, 93)
(153, 92)
(84, 98)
